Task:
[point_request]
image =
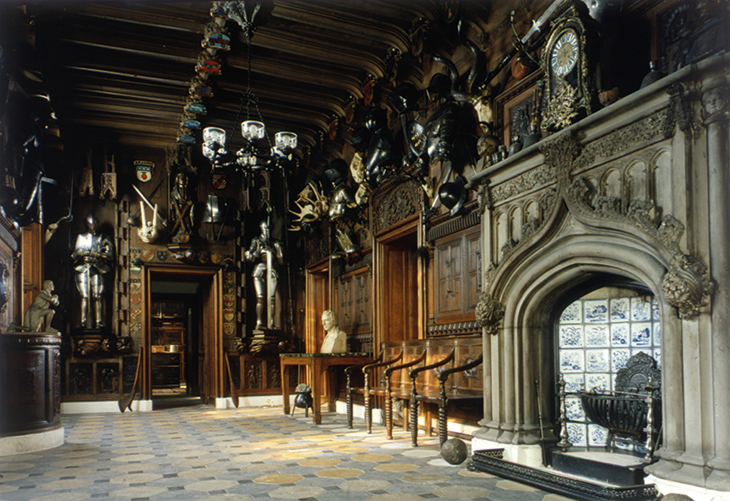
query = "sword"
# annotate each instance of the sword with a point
(269, 288)
(541, 21)
(536, 27)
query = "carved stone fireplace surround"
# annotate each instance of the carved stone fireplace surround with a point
(637, 193)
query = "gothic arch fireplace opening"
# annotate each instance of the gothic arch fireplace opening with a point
(599, 328)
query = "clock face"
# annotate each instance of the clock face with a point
(565, 53)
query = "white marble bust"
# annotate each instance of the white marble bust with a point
(336, 339)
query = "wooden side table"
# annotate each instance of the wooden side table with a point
(317, 364)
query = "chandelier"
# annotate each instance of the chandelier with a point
(257, 152)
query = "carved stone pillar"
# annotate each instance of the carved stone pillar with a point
(715, 112)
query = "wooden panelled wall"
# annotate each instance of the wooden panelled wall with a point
(454, 276)
(355, 314)
(452, 282)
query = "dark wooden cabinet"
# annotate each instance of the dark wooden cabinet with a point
(168, 370)
(99, 378)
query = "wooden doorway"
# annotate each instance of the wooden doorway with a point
(208, 323)
(397, 285)
(317, 301)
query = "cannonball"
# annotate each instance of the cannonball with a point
(675, 497)
(454, 451)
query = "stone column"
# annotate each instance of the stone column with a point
(716, 113)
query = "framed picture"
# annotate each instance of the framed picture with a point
(513, 109)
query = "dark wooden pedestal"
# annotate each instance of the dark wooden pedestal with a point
(30, 383)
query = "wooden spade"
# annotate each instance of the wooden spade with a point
(126, 401)
(234, 390)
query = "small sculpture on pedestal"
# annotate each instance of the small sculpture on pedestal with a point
(93, 257)
(336, 339)
(39, 314)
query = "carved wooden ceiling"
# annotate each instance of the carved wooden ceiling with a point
(125, 68)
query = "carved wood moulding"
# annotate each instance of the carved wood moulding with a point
(396, 204)
(317, 248)
(455, 329)
(454, 225)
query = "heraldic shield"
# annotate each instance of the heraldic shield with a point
(145, 169)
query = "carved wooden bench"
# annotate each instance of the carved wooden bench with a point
(451, 372)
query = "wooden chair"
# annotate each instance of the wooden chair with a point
(397, 385)
(447, 376)
(390, 353)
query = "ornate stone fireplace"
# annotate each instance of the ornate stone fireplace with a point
(635, 194)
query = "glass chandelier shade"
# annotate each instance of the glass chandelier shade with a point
(214, 139)
(285, 141)
(252, 130)
(214, 135)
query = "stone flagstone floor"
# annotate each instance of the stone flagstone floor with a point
(243, 454)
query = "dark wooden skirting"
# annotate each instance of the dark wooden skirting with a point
(491, 461)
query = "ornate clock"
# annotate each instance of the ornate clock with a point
(569, 60)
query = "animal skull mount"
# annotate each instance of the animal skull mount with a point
(148, 232)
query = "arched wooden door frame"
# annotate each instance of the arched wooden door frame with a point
(212, 324)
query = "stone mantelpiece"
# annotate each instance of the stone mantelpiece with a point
(638, 191)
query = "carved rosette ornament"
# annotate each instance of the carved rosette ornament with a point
(489, 312)
(687, 286)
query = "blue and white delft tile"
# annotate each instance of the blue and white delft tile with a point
(572, 314)
(600, 381)
(577, 434)
(597, 435)
(571, 361)
(640, 309)
(641, 334)
(620, 309)
(619, 359)
(595, 311)
(574, 382)
(596, 336)
(657, 334)
(571, 336)
(655, 310)
(597, 361)
(624, 445)
(658, 357)
(620, 335)
(574, 409)
(642, 350)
